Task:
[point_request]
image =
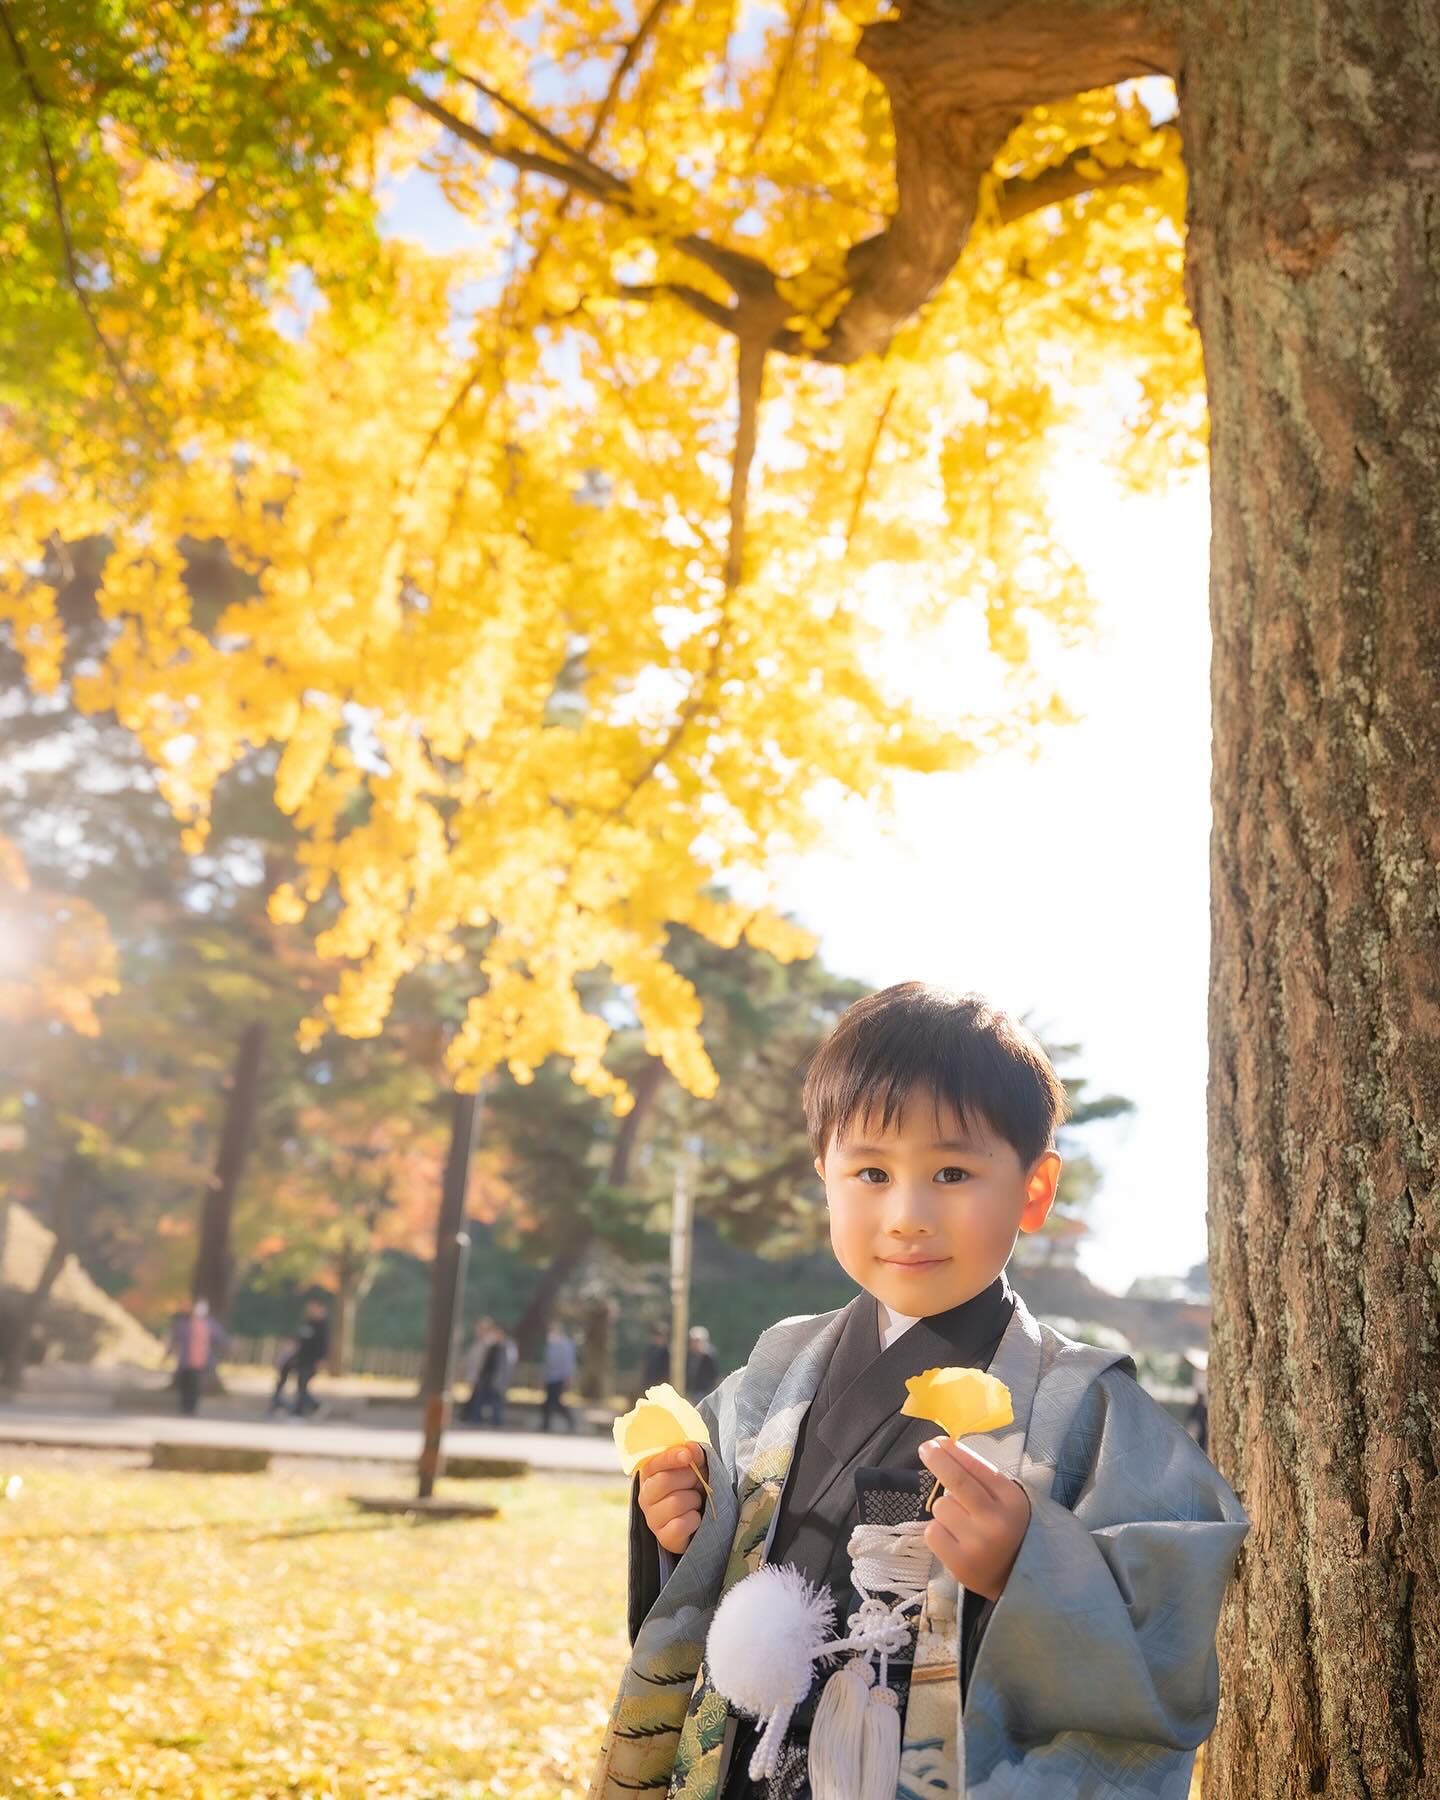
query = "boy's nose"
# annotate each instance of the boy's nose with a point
(909, 1213)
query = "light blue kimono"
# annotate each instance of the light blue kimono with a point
(1096, 1674)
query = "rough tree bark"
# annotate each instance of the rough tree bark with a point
(1312, 133)
(212, 1259)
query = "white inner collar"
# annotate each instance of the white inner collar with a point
(892, 1325)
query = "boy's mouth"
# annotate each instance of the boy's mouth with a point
(913, 1262)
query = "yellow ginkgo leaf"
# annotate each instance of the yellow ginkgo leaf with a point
(959, 1400)
(659, 1421)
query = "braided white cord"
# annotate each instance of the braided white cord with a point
(890, 1559)
(893, 1559)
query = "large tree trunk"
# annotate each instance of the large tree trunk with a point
(534, 1321)
(446, 1281)
(1312, 130)
(213, 1265)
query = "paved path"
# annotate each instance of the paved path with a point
(27, 1424)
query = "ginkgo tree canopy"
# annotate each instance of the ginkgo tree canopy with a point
(568, 556)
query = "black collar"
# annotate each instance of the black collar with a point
(855, 1417)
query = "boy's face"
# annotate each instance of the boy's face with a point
(925, 1214)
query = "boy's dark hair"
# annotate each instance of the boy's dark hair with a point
(965, 1052)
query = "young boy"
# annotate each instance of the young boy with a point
(1065, 1646)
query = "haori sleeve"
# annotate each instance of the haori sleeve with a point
(650, 1566)
(1106, 1626)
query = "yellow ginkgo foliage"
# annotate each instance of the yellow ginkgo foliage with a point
(661, 1419)
(57, 957)
(557, 565)
(960, 1401)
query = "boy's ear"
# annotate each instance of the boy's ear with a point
(820, 1167)
(1040, 1186)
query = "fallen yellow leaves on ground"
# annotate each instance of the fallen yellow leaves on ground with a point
(252, 1638)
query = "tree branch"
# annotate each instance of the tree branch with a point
(644, 31)
(1015, 199)
(787, 58)
(727, 318)
(864, 483)
(750, 383)
(62, 219)
(960, 75)
(526, 118)
(627, 61)
(575, 171)
(740, 1187)
(747, 275)
(629, 57)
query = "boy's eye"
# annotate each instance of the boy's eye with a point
(872, 1175)
(953, 1175)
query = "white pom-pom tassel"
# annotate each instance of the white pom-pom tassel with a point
(880, 1750)
(761, 1651)
(837, 1734)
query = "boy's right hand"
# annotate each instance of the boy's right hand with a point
(671, 1497)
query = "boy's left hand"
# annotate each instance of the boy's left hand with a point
(981, 1516)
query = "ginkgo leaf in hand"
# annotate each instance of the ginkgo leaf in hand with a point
(959, 1400)
(660, 1420)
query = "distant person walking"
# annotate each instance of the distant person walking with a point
(655, 1363)
(196, 1341)
(504, 1373)
(312, 1346)
(558, 1373)
(1198, 1423)
(472, 1368)
(702, 1365)
(488, 1363)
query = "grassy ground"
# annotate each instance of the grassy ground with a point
(252, 1637)
(243, 1637)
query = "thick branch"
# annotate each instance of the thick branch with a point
(961, 74)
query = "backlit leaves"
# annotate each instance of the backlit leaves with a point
(478, 489)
